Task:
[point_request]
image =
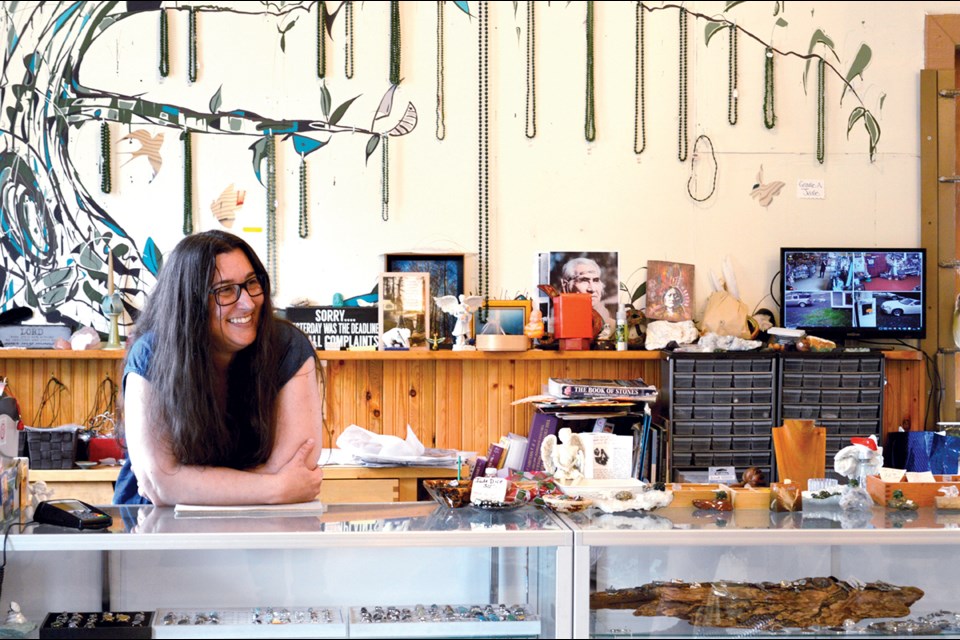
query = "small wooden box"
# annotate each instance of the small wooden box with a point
(757, 499)
(685, 493)
(923, 493)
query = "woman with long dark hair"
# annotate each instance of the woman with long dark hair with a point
(220, 399)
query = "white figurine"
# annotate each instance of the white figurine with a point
(463, 308)
(563, 460)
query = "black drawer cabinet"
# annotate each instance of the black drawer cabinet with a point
(721, 409)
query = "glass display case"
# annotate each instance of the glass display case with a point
(684, 573)
(383, 570)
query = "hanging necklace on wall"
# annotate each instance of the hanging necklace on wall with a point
(385, 178)
(272, 209)
(640, 82)
(769, 112)
(321, 39)
(692, 180)
(192, 46)
(164, 45)
(531, 112)
(732, 93)
(303, 226)
(394, 42)
(441, 124)
(682, 142)
(590, 122)
(483, 161)
(821, 124)
(348, 40)
(187, 184)
(105, 169)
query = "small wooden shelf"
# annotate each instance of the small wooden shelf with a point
(448, 354)
(62, 354)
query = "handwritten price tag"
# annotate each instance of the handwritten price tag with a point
(488, 490)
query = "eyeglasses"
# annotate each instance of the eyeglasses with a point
(586, 280)
(230, 293)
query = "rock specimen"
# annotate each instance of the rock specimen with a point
(764, 605)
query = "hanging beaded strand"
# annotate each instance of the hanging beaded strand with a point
(640, 82)
(692, 180)
(394, 42)
(385, 178)
(821, 121)
(441, 132)
(483, 161)
(192, 46)
(164, 44)
(106, 173)
(732, 93)
(682, 142)
(321, 39)
(769, 112)
(531, 110)
(272, 209)
(590, 123)
(348, 40)
(303, 226)
(187, 183)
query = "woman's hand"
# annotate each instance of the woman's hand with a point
(300, 478)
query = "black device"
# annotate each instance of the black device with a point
(71, 513)
(854, 292)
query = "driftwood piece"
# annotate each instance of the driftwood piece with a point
(765, 605)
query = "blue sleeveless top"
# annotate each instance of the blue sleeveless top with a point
(297, 349)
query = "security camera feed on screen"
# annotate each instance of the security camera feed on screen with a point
(844, 293)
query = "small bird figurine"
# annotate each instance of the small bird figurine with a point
(149, 148)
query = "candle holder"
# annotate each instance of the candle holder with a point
(112, 307)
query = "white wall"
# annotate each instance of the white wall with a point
(555, 192)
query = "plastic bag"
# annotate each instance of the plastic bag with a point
(726, 315)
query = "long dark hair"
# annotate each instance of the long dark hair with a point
(181, 401)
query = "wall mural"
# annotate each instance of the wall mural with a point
(54, 235)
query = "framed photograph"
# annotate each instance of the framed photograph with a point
(503, 316)
(593, 272)
(446, 279)
(669, 291)
(404, 309)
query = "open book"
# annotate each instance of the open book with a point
(314, 507)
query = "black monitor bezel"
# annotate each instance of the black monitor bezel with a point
(850, 332)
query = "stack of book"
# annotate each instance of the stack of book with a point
(589, 398)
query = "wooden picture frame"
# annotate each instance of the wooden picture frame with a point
(510, 315)
(446, 279)
(404, 304)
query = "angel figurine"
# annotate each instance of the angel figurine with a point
(564, 459)
(463, 308)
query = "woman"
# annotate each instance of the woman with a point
(221, 404)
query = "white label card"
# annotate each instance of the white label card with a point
(810, 189)
(488, 490)
(721, 475)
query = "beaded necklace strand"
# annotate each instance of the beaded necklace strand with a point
(187, 183)
(394, 42)
(682, 142)
(531, 111)
(348, 40)
(105, 168)
(821, 120)
(590, 122)
(441, 131)
(321, 39)
(732, 93)
(483, 160)
(385, 178)
(164, 45)
(272, 209)
(769, 112)
(692, 180)
(192, 46)
(303, 222)
(640, 82)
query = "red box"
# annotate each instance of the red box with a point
(573, 316)
(101, 448)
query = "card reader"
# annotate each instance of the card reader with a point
(71, 513)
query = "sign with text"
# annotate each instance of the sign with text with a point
(335, 328)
